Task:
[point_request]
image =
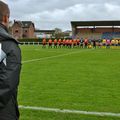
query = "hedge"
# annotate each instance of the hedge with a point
(35, 39)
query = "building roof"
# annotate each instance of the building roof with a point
(25, 24)
(96, 23)
(18, 22)
(45, 31)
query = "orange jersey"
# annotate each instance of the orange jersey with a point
(44, 41)
(59, 41)
(74, 42)
(55, 41)
(63, 42)
(78, 41)
(70, 42)
(67, 42)
(50, 41)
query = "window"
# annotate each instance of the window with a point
(26, 24)
(16, 31)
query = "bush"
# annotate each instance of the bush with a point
(29, 40)
(36, 39)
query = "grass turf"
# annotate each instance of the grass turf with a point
(86, 79)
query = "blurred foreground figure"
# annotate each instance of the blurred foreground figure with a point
(10, 66)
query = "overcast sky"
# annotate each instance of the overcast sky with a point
(49, 14)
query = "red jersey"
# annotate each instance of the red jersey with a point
(86, 41)
(78, 41)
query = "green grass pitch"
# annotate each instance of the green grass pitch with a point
(75, 79)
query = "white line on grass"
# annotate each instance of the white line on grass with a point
(47, 51)
(70, 111)
(45, 58)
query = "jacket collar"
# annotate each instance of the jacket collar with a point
(4, 27)
(5, 35)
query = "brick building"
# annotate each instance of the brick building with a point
(23, 29)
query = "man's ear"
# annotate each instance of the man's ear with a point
(5, 19)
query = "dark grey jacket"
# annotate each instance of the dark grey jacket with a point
(10, 66)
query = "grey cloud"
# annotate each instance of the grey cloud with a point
(59, 13)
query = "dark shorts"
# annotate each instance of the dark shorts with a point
(81, 44)
(99, 44)
(55, 44)
(86, 44)
(104, 44)
(44, 44)
(74, 44)
(67, 44)
(113, 44)
(50, 44)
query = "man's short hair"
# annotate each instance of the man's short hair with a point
(4, 10)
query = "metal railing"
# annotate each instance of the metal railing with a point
(30, 43)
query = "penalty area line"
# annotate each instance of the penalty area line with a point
(109, 114)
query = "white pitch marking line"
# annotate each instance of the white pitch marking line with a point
(70, 111)
(45, 58)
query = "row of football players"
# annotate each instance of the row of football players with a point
(79, 43)
(64, 43)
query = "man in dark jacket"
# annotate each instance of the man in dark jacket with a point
(10, 66)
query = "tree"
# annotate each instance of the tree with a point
(58, 33)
